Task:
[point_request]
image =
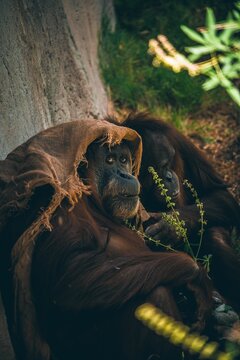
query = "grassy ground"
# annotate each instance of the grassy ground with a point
(133, 82)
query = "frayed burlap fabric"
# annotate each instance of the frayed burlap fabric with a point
(50, 158)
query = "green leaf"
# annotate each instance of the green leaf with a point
(233, 75)
(231, 71)
(200, 50)
(237, 4)
(215, 41)
(193, 57)
(236, 14)
(236, 45)
(193, 35)
(226, 60)
(206, 37)
(208, 71)
(211, 83)
(224, 82)
(226, 69)
(226, 35)
(220, 47)
(234, 94)
(236, 67)
(211, 22)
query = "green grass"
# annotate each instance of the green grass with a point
(126, 67)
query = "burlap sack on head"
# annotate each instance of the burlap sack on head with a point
(49, 158)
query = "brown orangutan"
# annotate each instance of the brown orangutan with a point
(175, 158)
(75, 298)
(102, 270)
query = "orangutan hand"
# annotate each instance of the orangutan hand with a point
(160, 229)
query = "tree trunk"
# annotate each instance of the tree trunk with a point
(49, 65)
(48, 74)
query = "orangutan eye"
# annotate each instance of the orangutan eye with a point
(123, 159)
(110, 159)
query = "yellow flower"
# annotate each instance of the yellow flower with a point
(145, 312)
(179, 334)
(198, 343)
(187, 343)
(168, 328)
(208, 350)
(161, 325)
(225, 356)
(155, 319)
(156, 62)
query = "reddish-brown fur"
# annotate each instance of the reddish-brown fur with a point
(221, 210)
(88, 276)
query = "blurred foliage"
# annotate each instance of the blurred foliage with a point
(218, 52)
(127, 70)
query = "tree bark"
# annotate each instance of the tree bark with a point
(48, 74)
(49, 65)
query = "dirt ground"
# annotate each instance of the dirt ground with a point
(218, 134)
(216, 131)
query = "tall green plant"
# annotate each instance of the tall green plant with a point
(173, 219)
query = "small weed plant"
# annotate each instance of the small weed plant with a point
(173, 218)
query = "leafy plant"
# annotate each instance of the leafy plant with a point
(134, 84)
(149, 238)
(201, 220)
(219, 50)
(173, 218)
(131, 80)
